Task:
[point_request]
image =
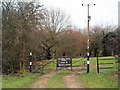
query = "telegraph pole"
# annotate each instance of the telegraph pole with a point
(88, 47)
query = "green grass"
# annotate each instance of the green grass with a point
(107, 78)
(81, 61)
(57, 81)
(21, 81)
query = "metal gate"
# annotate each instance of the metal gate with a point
(38, 64)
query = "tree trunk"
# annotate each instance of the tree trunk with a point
(53, 56)
(48, 55)
(95, 53)
(20, 66)
(24, 57)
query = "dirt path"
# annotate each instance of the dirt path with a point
(42, 81)
(71, 81)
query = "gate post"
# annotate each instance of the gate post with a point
(97, 65)
(30, 60)
(88, 63)
(71, 64)
(56, 63)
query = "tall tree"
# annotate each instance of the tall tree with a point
(95, 40)
(52, 25)
(19, 20)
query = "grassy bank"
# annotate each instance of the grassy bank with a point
(107, 78)
(18, 80)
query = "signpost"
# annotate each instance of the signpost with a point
(64, 62)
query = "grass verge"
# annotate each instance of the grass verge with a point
(107, 78)
(18, 81)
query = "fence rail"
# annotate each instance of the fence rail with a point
(105, 63)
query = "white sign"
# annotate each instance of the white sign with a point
(64, 62)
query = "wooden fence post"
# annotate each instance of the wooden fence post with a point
(97, 65)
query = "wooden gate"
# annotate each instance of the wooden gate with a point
(106, 63)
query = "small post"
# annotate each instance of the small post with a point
(57, 63)
(97, 65)
(30, 60)
(71, 68)
(88, 63)
(84, 63)
(71, 64)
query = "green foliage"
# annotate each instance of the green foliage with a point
(111, 43)
(108, 36)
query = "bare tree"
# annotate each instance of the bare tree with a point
(72, 43)
(19, 20)
(52, 25)
(96, 40)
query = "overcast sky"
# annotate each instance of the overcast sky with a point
(105, 12)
